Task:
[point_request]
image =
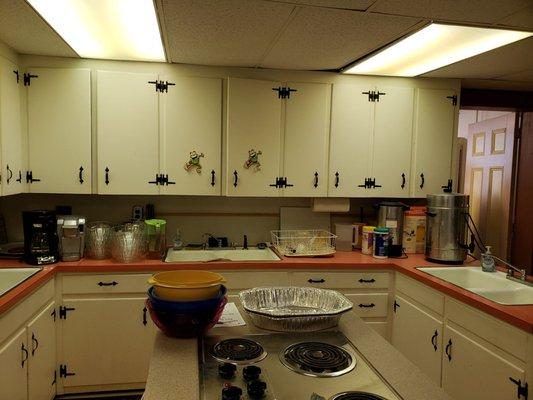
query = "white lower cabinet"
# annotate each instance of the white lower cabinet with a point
(14, 367)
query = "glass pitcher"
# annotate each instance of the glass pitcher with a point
(156, 238)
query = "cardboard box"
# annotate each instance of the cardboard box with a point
(414, 230)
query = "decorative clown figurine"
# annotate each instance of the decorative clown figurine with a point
(194, 162)
(253, 160)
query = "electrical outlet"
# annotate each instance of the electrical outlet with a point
(137, 213)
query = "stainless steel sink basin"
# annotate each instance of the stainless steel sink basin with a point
(209, 255)
(11, 277)
(491, 285)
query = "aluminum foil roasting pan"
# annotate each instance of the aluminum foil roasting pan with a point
(294, 309)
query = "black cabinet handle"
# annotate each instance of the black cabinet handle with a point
(235, 178)
(316, 280)
(434, 339)
(371, 305)
(35, 344)
(145, 321)
(213, 177)
(367, 280)
(157, 181)
(337, 179)
(422, 180)
(9, 174)
(448, 350)
(106, 175)
(80, 175)
(403, 181)
(395, 306)
(25, 355)
(316, 180)
(19, 180)
(114, 283)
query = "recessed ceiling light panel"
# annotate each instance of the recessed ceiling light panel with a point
(433, 47)
(106, 29)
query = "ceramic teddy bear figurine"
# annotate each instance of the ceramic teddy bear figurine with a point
(253, 160)
(194, 162)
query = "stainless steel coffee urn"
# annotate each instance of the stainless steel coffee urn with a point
(390, 215)
(446, 228)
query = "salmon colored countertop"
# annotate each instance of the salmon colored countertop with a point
(519, 316)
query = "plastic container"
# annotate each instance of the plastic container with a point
(381, 242)
(367, 242)
(186, 285)
(156, 238)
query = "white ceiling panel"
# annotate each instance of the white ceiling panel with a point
(520, 19)
(228, 33)
(480, 11)
(22, 29)
(320, 38)
(359, 5)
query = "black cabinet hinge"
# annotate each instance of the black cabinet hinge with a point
(521, 390)
(284, 92)
(30, 178)
(281, 182)
(373, 96)
(53, 314)
(63, 371)
(63, 311)
(162, 179)
(26, 78)
(370, 183)
(161, 86)
(54, 381)
(448, 188)
(453, 99)
(395, 306)
(16, 72)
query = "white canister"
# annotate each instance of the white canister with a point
(367, 242)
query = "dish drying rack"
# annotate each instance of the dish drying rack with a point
(304, 242)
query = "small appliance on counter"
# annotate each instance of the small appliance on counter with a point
(390, 215)
(446, 228)
(40, 237)
(71, 233)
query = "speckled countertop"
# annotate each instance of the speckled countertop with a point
(174, 369)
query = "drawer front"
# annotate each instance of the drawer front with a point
(250, 279)
(105, 283)
(342, 280)
(369, 304)
(423, 294)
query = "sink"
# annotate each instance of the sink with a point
(492, 285)
(11, 277)
(252, 254)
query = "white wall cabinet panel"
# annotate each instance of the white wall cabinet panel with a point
(352, 117)
(59, 130)
(434, 132)
(253, 134)
(306, 139)
(127, 110)
(191, 129)
(14, 355)
(393, 130)
(12, 179)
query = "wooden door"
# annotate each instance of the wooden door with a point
(392, 142)
(14, 367)
(127, 110)
(488, 176)
(306, 137)
(418, 336)
(253, 144)
(106, 341)
(12, 170)
(42, 363)
(59, 130)
(433, 141)
(191, 131)
(474, 370)
(352, 119)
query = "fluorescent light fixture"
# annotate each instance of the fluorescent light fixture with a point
(433, 47)
(106, 29)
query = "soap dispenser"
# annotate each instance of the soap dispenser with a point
(487, 261)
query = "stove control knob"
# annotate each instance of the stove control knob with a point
(256, 389)
(227, 370)
(231, 393)
(251, 373)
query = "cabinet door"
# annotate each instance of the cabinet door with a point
(10, 130)
(307, 117)
(59, 130)
(253, 138)
(106, 341)
(418, 336)
(127, 133)
(473, 369)
(13, 367)
(434, 131)
(42, 363)
(191, 131)
(352, 117)
(393, 131)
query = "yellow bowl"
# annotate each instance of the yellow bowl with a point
(186, 285)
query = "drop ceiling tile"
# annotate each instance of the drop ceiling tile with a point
(481, 11)
(521, 19)
(228, 33)
(505, 60)
(359, 5)
(25, 31)
(320, 38)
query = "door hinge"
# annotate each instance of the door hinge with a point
(284, 92)
(453, 99)
(54, 381)
(53, 314)
(448, 188)
(16, 72)
(370, 183)
(26, 78)
(373, 96)
(281, 182)
(63, 371)
(30, 178)
(521, 390)
(161, 179)
(63, 311)
(395, 306)
(161, 86)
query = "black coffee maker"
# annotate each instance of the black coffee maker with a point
(40, 237)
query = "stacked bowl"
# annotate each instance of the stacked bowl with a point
(186, 303)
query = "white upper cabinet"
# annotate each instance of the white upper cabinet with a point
(191, 136)
(253, 138)
(127, 114)
(12, 181)
(434, 131)
(352, 116)
(59, 131)
(306, 139)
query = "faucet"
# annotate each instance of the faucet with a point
(487, 257)
(245, 243)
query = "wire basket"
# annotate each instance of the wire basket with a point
(304, 242)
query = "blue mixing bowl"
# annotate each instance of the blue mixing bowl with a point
(185, 307)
